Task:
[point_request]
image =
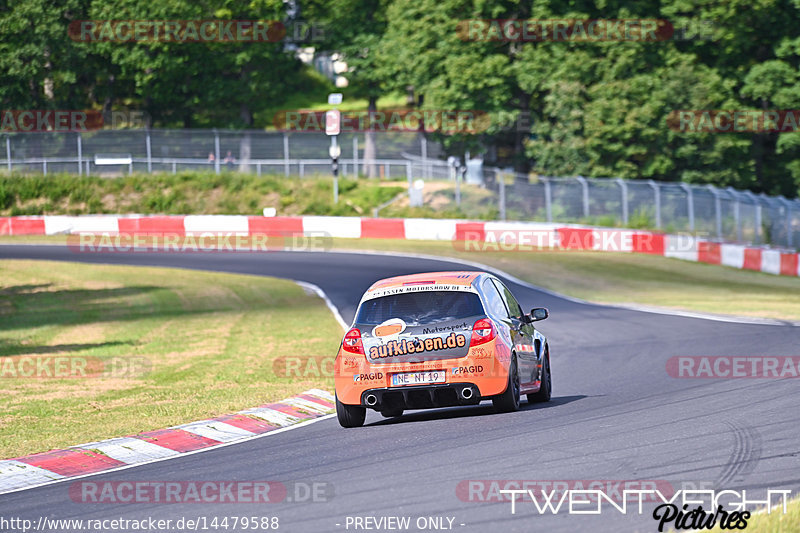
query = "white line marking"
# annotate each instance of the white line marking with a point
(128, 449)
(215, 430)
(319, 292)
(15, 474)
(271, 415)
(307, 405)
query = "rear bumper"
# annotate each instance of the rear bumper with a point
(421, 397)
(485, 369)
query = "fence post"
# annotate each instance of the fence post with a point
(80, 156)
(758, 221)
(689, 204)
(501, 183)
(426, 168)
(44, 167)
(656, 201)
(8, 152)
(286, 154)
(457, 178)
(623, 187)
(585, 186)
(355, 156)
(717, 209)
(548, 200)
(737, 219)
(788, 205)
(149, 152)
(216, 153)
(409, 173)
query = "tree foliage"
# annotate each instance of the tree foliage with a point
(555, 107)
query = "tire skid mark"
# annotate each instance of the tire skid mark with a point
(747, 450)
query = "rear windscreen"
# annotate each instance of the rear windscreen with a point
(418, 308)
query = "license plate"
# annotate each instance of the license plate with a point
(418, 378)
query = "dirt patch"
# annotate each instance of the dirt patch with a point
(93, 333)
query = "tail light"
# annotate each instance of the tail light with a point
(483, 331)
(352, 342)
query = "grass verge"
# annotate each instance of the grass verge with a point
(188, 193)
(774, 522)
(210, 338)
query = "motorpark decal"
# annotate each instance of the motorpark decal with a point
(396, 348)
(443, 329)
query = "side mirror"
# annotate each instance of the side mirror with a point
(539, 313)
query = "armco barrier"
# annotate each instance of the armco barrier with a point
(566, 237)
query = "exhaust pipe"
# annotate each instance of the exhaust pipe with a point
(371, 400)
(466, 393)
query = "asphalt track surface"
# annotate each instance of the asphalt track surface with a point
(615, 415)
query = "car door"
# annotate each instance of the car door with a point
(523, 334)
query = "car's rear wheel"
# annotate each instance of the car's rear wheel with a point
(392, 413)
(350, 416)
(509, 400)
(546, 390)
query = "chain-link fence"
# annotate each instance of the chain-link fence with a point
(725, 214)
(113, 152)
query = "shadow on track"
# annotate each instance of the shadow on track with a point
(471, 411)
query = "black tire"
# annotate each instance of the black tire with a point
(350, 416)
(392, 413)
(508, 402)
(546, 389)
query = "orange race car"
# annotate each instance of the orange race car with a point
(440, 339)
